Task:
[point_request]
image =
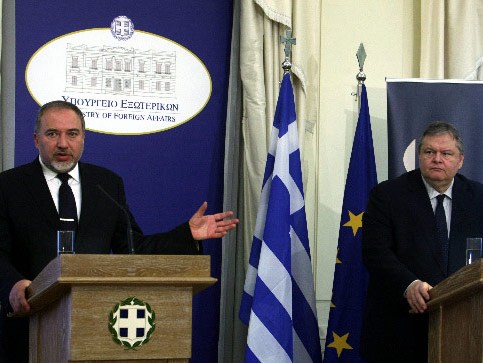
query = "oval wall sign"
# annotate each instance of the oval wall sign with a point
(125, 81)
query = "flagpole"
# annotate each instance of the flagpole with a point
(278, 301)
(350, 276)
(361, 76)
(288, 41)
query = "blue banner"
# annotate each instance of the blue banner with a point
(413, 103)
(151, 78)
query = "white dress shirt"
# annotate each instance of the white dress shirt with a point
(54, 184)
(447, 202)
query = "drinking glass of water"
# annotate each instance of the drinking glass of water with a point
(473, 250)
(65, 242)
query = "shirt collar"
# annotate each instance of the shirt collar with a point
(433, 193)
(49, 174)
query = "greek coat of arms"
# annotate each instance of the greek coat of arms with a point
(132, 323)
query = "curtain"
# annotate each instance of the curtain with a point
(261, 55)
(261, 23)
(7, 111)
(452, 39)
(2, 133)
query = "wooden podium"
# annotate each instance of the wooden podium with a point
(74, 297)
(456, 317)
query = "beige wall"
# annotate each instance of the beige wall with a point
(390, 33)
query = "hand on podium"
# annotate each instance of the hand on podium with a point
(18, 299)
(417, 295)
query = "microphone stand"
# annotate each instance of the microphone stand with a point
(130, 243)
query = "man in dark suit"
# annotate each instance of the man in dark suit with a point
(29, 218)
(402, 252)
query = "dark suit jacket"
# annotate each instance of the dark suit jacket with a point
(29, 223)
(399, 246)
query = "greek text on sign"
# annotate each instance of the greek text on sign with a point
(125, 81)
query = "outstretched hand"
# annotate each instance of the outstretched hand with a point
(211, 226)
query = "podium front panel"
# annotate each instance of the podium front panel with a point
(75, 328)
(90, 336)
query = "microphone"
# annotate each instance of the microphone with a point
(130, 243)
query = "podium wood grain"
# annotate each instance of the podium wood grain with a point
(456, 317)
(73, 295)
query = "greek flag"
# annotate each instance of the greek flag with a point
(278, 300)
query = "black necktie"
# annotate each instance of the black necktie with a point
(442, 230)
(67, 207)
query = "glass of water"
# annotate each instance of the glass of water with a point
(473, 250)
(65, 242)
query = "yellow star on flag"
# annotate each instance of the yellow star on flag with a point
(355, 221)
(339, 343)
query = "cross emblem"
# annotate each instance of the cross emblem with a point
(288, 41)
(132, 322)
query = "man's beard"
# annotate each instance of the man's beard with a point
(62, 166)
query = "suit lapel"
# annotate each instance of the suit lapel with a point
(460, 215)
(424, 213)
(90, 195)
(38, 189)
(459, 207)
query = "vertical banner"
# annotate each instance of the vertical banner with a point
(278, 302)
(413, 103)
(151, 78)
(350, 277)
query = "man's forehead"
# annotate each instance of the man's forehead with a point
(57, 118)
(446, 139)
(61, 128)
(61, 113)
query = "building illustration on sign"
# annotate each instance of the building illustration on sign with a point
(120, 71)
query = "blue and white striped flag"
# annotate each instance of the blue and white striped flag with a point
(278, 300)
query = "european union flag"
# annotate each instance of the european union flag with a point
(350, 277)
(278, 300)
